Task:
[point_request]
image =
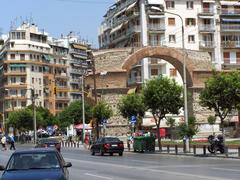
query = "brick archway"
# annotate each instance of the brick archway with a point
(194, 60)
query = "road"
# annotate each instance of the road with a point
(134, 166)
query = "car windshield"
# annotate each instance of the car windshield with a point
(46, 160)
(110, 139)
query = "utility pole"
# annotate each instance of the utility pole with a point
(83, 109)
(34, 115)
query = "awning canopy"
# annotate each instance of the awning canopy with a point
(208, 1)
(120, 12)
(80, 126)
(206, 17)
(156, 16)
(17, 65)
(47, 57)
(79, 56)
(131, 6)
(157, 2)
(156, 8)
(79, 46)
(230, 3)
(116, 28)
(230, 20)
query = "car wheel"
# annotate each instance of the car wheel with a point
(101, 152)
(111, 154)
(121, 153)
(92, 153)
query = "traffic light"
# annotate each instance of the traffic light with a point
(55, 90)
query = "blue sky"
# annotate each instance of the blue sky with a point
(57, 16)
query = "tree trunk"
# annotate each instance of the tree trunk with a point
(159, 137)
(239, 118)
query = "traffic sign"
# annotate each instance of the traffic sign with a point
(133, 119)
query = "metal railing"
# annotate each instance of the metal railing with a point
(206, 27)
(230, 44)
(156, 27)
(207, 11)
(207, 44)
(227, 11)
(230, 27)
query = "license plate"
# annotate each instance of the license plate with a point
(51, 145)
(114, 145)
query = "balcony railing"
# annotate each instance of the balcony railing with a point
(157, 43)
(207, 44)
(206, 27)
(207, 11)
(156, 27)
(230, 27)
(226, 11)
(230, 44)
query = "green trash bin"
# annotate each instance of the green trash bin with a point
(144, 143)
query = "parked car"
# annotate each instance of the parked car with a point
(108, 145)
(39, 164)
(48, 143)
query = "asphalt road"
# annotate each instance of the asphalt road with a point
(134, 166)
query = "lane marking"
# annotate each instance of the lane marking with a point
(97, 176)
(232, 170)
(152, 170)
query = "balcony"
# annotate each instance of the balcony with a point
(227, 11)
(206, 28)
(157, 43)
(230, 27)
(206, 11)
(206, 44)
(230, 44)
(77, 71)
(156, 27)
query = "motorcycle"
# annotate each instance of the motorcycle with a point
(216, 144)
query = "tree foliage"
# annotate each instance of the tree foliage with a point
(132, 105)
(171, 122)
(73, 114)
(102, 111)
(188, 130)
(162, 96)
(222, 94)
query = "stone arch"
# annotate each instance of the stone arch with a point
(195, 60)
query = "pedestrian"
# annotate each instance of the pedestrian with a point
(4, 141)
(12, 143)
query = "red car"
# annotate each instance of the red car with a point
(107, 145)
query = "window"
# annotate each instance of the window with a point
(40, 81)
(190, 22)
(23, 104)
(13, 80)
(173, 72)
(12, 56)
(171, 21)
(23, 79)
(226, 56)
(191, 39)
(154, 72)
(170, 4)
(18, 35)
(40, 93)
(31, 56)
(189, 4)
(22, 56)
(172, 38)
(32, 80)
(32, 68)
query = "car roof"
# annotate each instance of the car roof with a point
(35, 150)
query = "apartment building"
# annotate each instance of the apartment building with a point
(31, 60)
(209, 25)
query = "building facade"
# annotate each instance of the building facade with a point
(32, 62)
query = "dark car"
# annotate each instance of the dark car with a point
(108, 145)
(39, 164)
(49, 142)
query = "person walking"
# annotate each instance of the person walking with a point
(4, 141)
(12, 143)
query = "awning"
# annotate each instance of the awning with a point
(131, 6)
(150, 122)
(156, 16)
(116, 28)
(158, 2)
(206, 17)
(79, 56)
(230, 3)
(208, 1)
(47, 57)
(79, 46)
(120, 12)
(230, 20)
(132, 91)
(156, 8)
(17, 65)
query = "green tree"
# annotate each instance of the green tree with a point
(101, 111)
(188, 130)
(171, 122)
(212, 121)
(221, 94)
(73, 114)
(162, 96)
(132, 105)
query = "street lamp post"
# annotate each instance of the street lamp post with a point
(184, 77)
(33, 96)
(83, 109)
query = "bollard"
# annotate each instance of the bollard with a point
(168, 149)
(184, 148)
(226, 151)
(239, 152)
(65, 143)
(204, 150)
(77, 145)
(194, 149)
(176, 149)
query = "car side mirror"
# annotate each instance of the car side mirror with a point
(2, 168)
(67, 164)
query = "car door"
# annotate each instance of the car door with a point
(62, 162)
(98, 145)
